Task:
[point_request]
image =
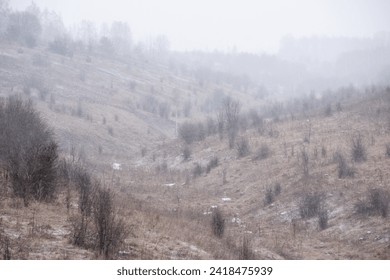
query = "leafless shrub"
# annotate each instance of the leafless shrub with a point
(110, 130)
(61, 46)
(132, 85)
(212, 164)
(186, 153)
(271, 193)
(376, 202)
(231, 113)
(28, 151)
(5, 245)
(328, 110)
(246, 252)
(81, 233)
(188, 132)
(305, 162)
(323, 218)
(243, 147)
(323, 151)
(86, 189)
(217, 223)
(262, 153)
(387, 153)
(201, 132)
(197, 171)
(164, 110)
(144, 150)
(35, 81)
(211, 126)
(343, 168)
(359, 152)
(311, 205)
(220, 124)
(277, 188)
(269, 196)
(162, 167)
(111, 231)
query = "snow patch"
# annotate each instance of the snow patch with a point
(116, 166)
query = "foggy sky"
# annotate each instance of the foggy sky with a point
(247, 25)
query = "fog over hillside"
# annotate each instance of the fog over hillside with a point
(194, 129)
(247, 26)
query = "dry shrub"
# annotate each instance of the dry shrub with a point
(213, 163)
(387, 153)
(246, 252)
(305, 162)
(5, 244)
(311, 204)
(186, 153)
(243, 147)
(323, 218)
(343, 168)
(197, 171)
(262, 153)
(269, 196)
(110, 229)
(217, 223)
(359, 152)
(376, 202)
(27, 150)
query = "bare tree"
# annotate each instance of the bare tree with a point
(231, 110)
(24, 27)
(4, 14)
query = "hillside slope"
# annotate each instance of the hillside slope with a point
(283, 197)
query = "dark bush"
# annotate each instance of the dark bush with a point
(246, 252)
(376, 202)
(86, 191)
(277, 188)
(27, 150)
(359, 153)
(242, 147)
(269, 196)
(188, 132)
(305, 162)
(111, 231)
(186, 153)
(197, 171)
(311, 204)
(323, 219)
(61, 46)
(217, 223)
(212, 164)
(343, 169)
(262, 153)
(387, 153)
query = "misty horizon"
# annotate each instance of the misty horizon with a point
(228, 26)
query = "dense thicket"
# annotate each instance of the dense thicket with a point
(28, 151)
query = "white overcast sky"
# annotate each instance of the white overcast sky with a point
(248, 25)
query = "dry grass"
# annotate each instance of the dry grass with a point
(168, 212)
